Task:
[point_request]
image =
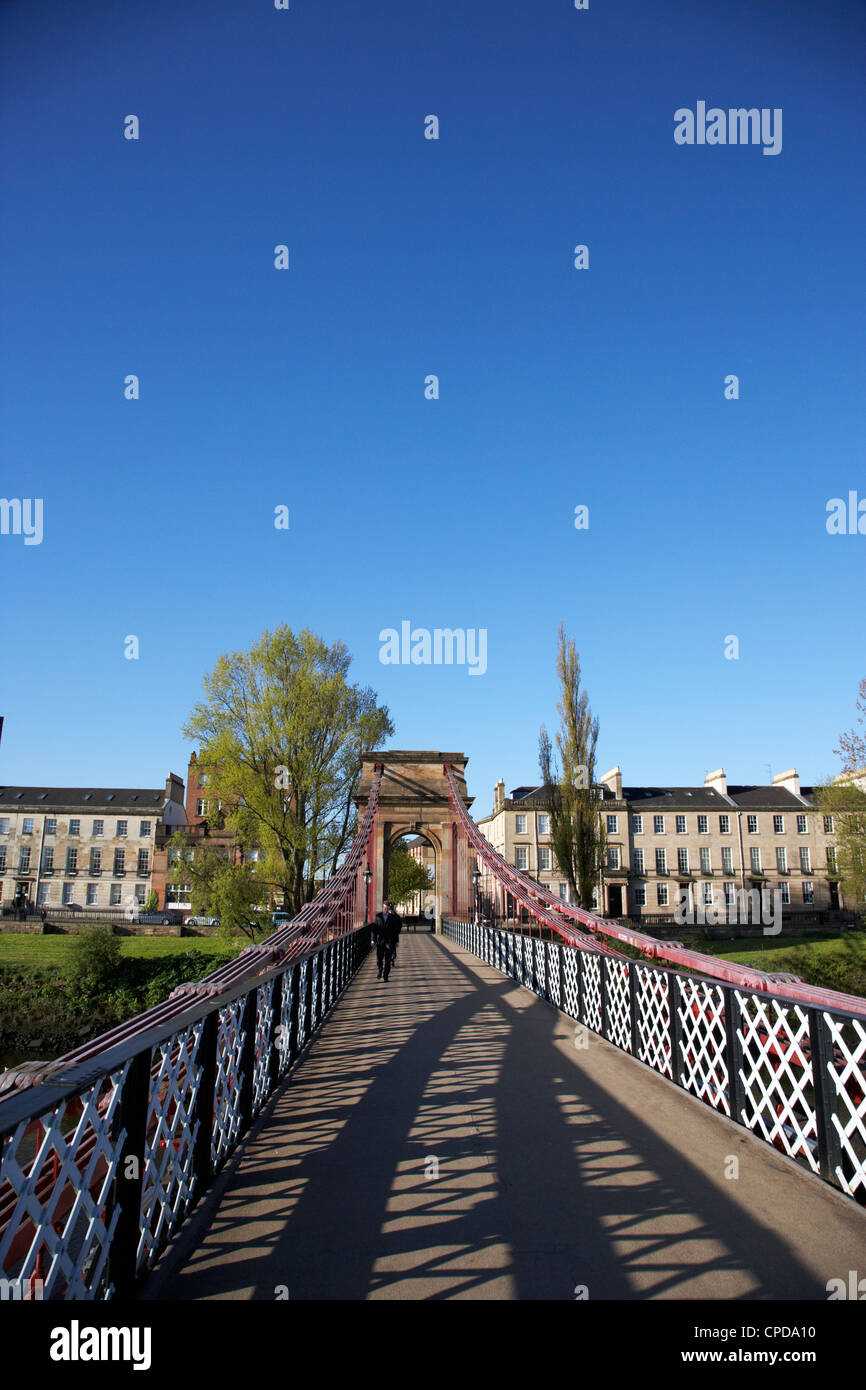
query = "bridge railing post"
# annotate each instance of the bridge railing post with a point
(295, 1014)
(132, 1118)
(581, 985)
(829, 1147)
(676, 1031)
(203, 1108)
(602, 989)
(248, 1061)
(634, 985)
(734, 1052)
(274, 1040)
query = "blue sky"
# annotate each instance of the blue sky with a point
(409, 256)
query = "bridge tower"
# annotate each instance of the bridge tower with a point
(413, 800)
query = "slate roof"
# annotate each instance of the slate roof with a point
(87, 798)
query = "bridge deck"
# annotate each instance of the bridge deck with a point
(557, 1167)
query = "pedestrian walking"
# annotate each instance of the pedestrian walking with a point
(386, 929)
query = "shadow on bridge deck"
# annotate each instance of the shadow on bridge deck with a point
(557, 1167)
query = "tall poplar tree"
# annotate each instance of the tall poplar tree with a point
(568, 776)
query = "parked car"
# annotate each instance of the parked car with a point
(151, 919)
(202, 922)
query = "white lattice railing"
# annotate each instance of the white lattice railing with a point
(792, 1073)
(101, 1164)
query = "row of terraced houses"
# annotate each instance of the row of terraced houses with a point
(98, 848)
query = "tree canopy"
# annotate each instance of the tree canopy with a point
(280, 732)
(577, 834)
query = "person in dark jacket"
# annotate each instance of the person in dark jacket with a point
(386, 929)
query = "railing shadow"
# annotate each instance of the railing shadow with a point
(442, 1140)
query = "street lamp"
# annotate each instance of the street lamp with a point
(368, 876)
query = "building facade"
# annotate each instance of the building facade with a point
(697, 848)
(83, 847)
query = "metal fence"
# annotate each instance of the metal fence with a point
(103, 1162)
(792, 1073)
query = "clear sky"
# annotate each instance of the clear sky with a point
(408, 257)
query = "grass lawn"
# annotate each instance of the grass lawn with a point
(763, 952)
(33, 952)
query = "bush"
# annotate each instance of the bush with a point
(95, 963)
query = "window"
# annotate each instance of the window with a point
(831, 858)
(199, 807)
(72, 861)
(144, 829)
(808, 892)
(661, 861)
(50, 825)
(91, 894)
(637, 825)
(42, 895)
(48, 859)
(521, 857)
(637, 859)
(96, 861)
(563, 891)
(706, 894)
(174, 856)
(114, 895)
(520, 825)
(98, 827)
(755, 857)
(785, 890)
(75, 827)
(706, 861)
(805, 860)
(2, 859)
(4, 825)
(140, 894)
(544, 824)
(828, 825)
(23, 861)
(729, 894)
(779, 824)
(640, 895)
(27, 826)
(659, 825)
(781, 859)
(662, 894)
(177, 893)
(724, 825)
(611, 825)
(120, 861)
(121, 829)
(613, 857)
(543, 857)
(727, 859)
(703, 825)
(752, 824)
(681, 825)
(683, 860)
(802, 825)
(143, 863)
(68, 890)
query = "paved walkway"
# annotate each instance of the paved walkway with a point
(444, 1138)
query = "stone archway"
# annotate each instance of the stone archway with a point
(413, 800)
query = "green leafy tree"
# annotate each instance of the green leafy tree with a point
(151, 901)
(406, 876)
(281, 732)
(568, 776)
(220, 888)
